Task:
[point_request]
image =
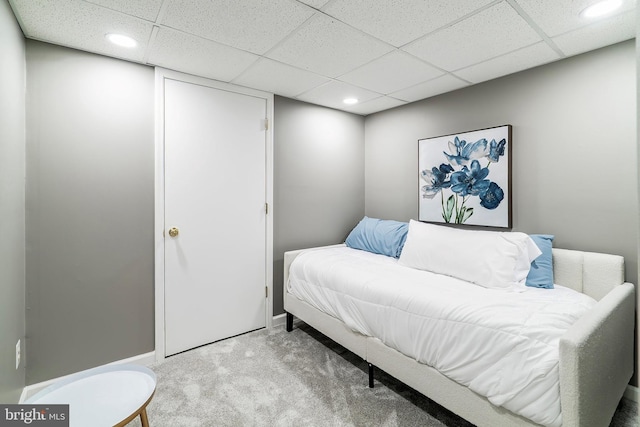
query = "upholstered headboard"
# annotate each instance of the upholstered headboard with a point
(591, 273)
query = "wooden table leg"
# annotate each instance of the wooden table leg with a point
(143, 418)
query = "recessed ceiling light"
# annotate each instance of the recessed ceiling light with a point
(601, 8)
(350, 101)
(121, 40)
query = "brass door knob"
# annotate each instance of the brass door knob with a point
(173, 231)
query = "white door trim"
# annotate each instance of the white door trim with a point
(161, 75)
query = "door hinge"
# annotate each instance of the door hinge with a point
(266, 124)
(266, 292)
(266, 208)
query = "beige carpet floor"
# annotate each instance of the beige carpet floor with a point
(301, 378)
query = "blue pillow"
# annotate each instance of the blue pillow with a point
(541, 272)
(384, 237)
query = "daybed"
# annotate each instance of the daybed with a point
(595, 353)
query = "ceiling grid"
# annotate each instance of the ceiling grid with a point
(385, 53)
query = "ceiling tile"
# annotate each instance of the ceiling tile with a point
(492, 32)
(279, 78)
(375, 105)
(332, 94)
(446, 83)
(190, 54)
(532, 56)
(321, 50)
(255, 26)
(559, 16)
(328, 47)
(400, 21)
(394, 71)
(147, 9)
(82, 25)
(604, 33)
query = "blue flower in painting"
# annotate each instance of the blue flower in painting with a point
(464, 176)
(470, 181)
(436, 179)
(491, 198)
(496, 149)
(465, 152)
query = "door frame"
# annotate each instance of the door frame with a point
(161, 75)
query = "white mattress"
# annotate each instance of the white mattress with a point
(502, 344)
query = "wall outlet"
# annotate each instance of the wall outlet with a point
(18, 354)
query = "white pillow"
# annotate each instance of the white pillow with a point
(492, 259)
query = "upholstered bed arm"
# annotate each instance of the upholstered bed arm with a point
(596, 359)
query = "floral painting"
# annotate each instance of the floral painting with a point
(464, 178)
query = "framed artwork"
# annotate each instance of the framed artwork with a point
(465, 178)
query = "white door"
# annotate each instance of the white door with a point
(215, 184)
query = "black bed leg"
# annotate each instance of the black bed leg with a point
(370, 375)
(289, 322)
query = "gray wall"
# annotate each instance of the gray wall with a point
(12, 173)
(318, 179)
(89, 204)
(638, 163)
(574, 149)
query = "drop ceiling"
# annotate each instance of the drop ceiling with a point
(384, 52)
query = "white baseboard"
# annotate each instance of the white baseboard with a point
(631, 393)
(279, 320)
(145, 359)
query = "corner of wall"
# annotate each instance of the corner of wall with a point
(12, 204)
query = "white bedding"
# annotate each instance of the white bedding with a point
(502, 344)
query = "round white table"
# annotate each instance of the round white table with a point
(111, 395)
